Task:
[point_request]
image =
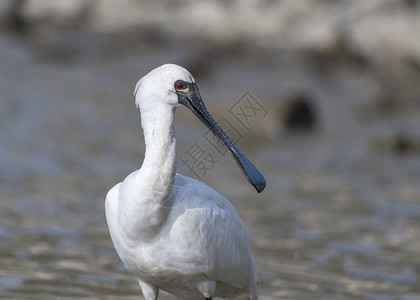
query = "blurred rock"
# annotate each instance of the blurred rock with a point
(16, 20)
(299, 114)
(399, 143)
(386, 105)
(402, 145)
(412, 3)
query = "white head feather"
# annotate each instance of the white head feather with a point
(158, 84)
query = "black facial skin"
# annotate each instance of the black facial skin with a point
(192, 100)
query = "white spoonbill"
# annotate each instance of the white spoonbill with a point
(173, 232)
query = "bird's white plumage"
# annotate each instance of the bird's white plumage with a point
(172, 232)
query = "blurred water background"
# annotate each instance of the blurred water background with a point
(323, 96)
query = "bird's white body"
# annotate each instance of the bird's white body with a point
(172, 232)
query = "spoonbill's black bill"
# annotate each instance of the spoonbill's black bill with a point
(189, 96)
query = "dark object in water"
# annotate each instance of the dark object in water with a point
(412, 3)
(300, 114)
(403, 145)
(16, 21)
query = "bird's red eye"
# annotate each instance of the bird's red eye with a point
(179, 85)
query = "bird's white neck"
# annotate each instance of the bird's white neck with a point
(148, 205)
(159, 163)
